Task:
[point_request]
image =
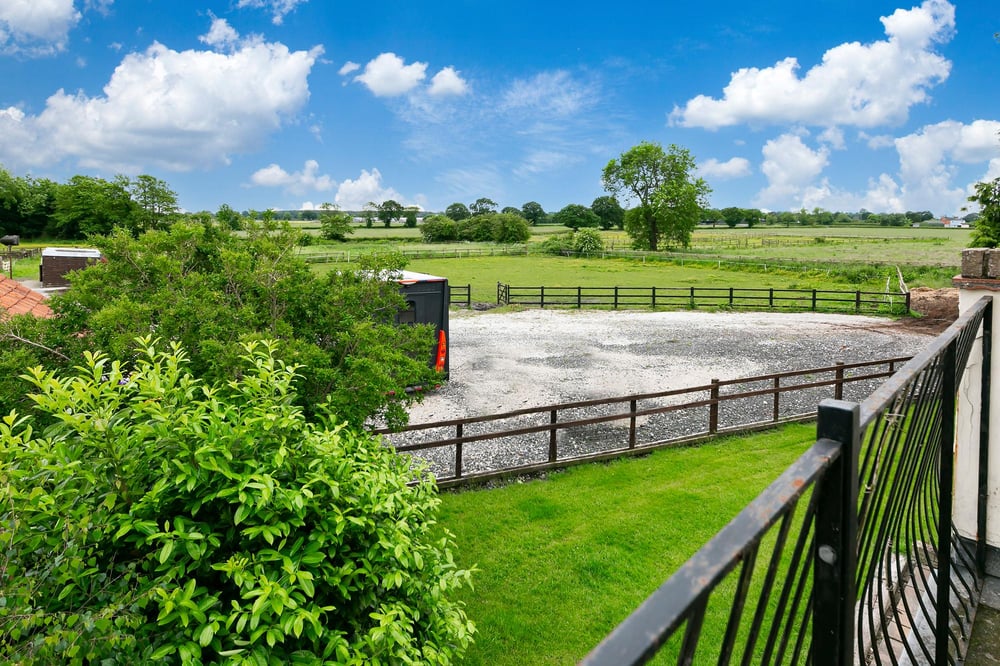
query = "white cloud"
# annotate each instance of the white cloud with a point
(36, 27)
(929, 160)
(220, 35)
(279, 8)
(556, 92)
(864, 85)
(388, 76)
(354, 194)
(448, 82)
(736, 167)
(170, 109)
(348, 67)
(877, 141)
(834, 136)
(298, 182)
(790, 167)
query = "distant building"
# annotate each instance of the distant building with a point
(954, 223)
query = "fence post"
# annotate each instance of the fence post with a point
(633, 406)
(984, 438)
(541, 297)
(857, 301)
(553, 452)
(838, 388)
(814, 302)
(458, 452)
(713, 408)
(579, 297)
(730, 297)
(907, 302)
(836, 537)
(776, 412)
(946, 484)
(692, 299)
(770, 298)
(653, 303)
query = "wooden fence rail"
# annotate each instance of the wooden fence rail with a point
(460, 294)
(814, 300)
(572, 432)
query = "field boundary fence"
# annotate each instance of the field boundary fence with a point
(736, 298)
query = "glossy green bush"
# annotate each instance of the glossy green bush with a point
(162, 519)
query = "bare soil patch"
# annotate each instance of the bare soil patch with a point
(938, 308)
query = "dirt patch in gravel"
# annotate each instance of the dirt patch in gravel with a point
(938, 308)
(502, 361)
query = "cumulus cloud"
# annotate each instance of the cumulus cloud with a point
(170, 109)
(928, 158)
(299, 182)
(790, 167)
(36, 27)
(355, 194)
(388, 76)
(220, 34)
(279, 8)
(864, 85)
(448, 82)
(736, 167)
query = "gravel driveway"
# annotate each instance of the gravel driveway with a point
(507, 361)
(511, 360)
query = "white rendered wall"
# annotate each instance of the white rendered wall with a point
(967, 435)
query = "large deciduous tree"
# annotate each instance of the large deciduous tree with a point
(86, 206)
(457, 212)
(482, 206)
(533, 212)
(335, 224)
(576, 216)
(610, 211)
(662, 182)
(389, 210)
(156, 204)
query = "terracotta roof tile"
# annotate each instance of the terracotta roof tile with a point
(15, 299)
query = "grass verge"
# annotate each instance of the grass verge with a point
(562, 561)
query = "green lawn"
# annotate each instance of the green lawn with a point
(562, 561)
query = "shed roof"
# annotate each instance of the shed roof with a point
(16, 298)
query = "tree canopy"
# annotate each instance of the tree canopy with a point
(210, 290)
(533, 212)
(669, 197)
(576, 216)
(610, 211)
(987, 230)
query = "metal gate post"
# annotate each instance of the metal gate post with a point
(836, 524)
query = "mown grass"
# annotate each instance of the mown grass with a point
(560, 562)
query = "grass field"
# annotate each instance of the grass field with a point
(562, 561)
(483, 273)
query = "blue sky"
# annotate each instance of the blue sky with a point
(836, 104)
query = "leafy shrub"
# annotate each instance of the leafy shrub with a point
(509, 228)
(439, 229)
(587, 242)
(477, 228)
(163, 518)
(558, 244)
